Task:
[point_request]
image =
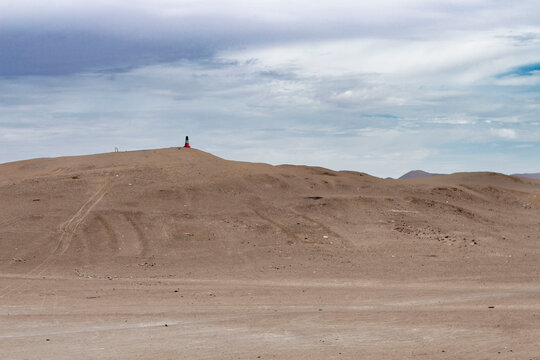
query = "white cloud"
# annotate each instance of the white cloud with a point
(504, 133)
(455, 58)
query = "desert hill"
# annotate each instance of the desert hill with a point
(111, 212)
(206, 256)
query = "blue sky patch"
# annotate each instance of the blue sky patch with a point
(524, 70)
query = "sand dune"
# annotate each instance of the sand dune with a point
(242, 260)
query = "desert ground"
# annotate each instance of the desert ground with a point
(178, 254)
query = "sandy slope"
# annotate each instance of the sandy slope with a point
(241, 260)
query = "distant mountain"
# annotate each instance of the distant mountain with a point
(418, 174)
(414, 174)
(530, 176)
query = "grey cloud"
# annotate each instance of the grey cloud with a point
(115, 36)
(31, 53)
(525, 38)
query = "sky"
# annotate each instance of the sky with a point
(381, 87)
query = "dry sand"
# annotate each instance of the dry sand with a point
(178, 254)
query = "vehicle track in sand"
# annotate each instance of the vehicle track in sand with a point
(68, 229)
(113, 242)
(342, 241)
(310, 226)
(142, 245)
(289, 234)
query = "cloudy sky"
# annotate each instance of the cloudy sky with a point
(382, 87)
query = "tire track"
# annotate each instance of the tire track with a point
(314, 226)
(290, 235)
(113, 240)
(327, 230)
(68, 229)
(143, 242)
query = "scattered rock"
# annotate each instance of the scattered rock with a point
(147, 264)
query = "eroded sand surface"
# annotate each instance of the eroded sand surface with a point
(177, 254)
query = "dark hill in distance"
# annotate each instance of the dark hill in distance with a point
(528, 176)
(414, 174)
